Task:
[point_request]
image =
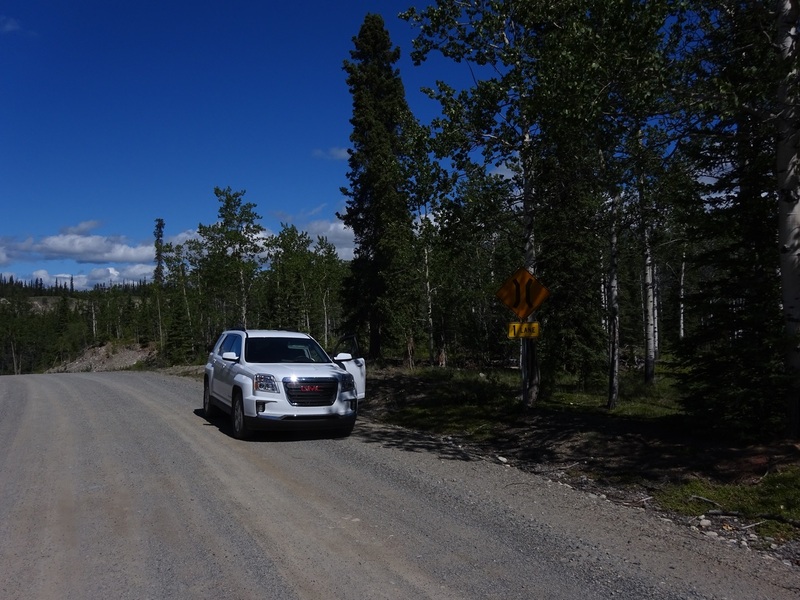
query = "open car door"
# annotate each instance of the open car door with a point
(347, 355)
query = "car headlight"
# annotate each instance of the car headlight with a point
(348, 383)
(265, 383)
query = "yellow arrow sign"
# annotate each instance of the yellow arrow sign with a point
(523, 293)
(523, 330)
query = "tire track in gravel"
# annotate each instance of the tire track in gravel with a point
(314, 531)
(108, 513)
(112, 485)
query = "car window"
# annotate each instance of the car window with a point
(231, 343)
(284, 350)
(236, 347)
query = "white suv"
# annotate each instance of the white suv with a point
(281, 380)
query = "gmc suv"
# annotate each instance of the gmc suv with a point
(268, 379)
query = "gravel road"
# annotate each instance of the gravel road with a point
(112, 485)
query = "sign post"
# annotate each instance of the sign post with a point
(524, 294)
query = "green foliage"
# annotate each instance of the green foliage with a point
(664, 106)
(733, 352)
(229, 254)
(773, 502)
(379, 289)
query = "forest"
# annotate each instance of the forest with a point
(639, 158)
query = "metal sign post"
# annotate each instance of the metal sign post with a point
(524, 294)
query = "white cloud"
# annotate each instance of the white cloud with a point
(9, 25)
(183, 237)
(106, 276)
(336, 233)
(142, 272)
(316, 210)
(81, 228)
(333, 153)
(91, 249)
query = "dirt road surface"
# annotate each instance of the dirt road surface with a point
(113, 485)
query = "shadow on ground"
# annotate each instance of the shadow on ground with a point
(609, 449)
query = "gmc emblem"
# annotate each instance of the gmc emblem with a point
(310, 388)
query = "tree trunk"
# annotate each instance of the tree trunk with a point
(531, 372)
(613, 312)
(325, 325)
(649, 314)
(17, 364)
(160, 325)
(787, 158)
(429, 301)
(242, 299)
(681, 296)
(94, 323)
(656, 312)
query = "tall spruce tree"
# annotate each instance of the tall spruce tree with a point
(732, 350)
(788, 175)
(378, 288)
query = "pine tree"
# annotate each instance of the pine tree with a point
(377, 290)
(732, 351)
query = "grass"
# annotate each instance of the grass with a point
(464, 401)
(457, 402)
(773, 502)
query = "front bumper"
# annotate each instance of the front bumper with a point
(300, 422)
(280, 415)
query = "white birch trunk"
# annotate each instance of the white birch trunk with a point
(242, 299)
(656, 312)
(429, 307)
(94, 323)
(531, 373)
(681, 295)
(613, 312)
(17, 364)
(649, 313)
(788, 12)
(325, 325)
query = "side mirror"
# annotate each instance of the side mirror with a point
(230, 356)
(343, 356)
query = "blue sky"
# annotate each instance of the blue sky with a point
(114, 113)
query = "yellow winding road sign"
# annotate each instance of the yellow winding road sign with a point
(523, 293)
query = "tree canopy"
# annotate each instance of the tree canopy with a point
(640, 158)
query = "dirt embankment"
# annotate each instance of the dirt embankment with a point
(108, 357)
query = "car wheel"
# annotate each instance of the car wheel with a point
(240, 431)
(209, 410)
(344, 432)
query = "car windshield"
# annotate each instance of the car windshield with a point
(284, 350)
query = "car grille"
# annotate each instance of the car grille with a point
(311, 391)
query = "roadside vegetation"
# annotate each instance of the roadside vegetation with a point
(648, 442)
(640, 159)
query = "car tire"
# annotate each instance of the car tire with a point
(343, 432)
(209, 410)
(240, 431)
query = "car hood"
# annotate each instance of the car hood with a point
(283, 370)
